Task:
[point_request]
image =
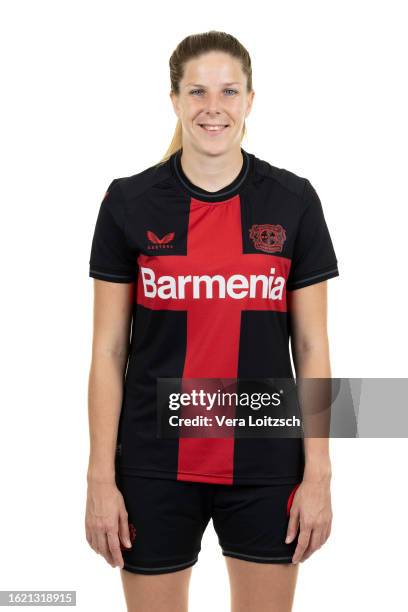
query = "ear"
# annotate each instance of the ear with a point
(174, 100)
(251, 96)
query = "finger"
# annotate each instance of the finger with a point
(303, 541)
(314, 544)
(88, 535)
(301, 546)
(325, 535)
(124, 533)
(114, 549)
(98, 540)
(103, 548)
(293, 526)
(93, 541)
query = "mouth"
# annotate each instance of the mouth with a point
(213, 128)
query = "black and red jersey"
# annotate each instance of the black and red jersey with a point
(211, 274)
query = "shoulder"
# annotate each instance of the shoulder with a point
(286, 179)
(136, 184)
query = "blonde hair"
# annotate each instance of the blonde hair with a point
(191, 47)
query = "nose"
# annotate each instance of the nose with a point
(212, 103)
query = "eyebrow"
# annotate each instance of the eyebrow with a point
(224, 84)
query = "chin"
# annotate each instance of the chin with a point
(216, 143)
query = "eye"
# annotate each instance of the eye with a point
(193, 91)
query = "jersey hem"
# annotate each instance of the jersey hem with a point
(314, 277)
(113, 277)
(195, 477)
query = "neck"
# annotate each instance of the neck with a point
(211, 172)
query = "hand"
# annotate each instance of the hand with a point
(311, 509)
(106, 521)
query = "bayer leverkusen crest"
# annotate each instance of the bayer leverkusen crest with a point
(267, 237)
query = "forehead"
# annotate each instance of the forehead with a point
(214, 67)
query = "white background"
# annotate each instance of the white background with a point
(85, 99)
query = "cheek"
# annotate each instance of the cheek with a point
(237, 110)
(192, 111)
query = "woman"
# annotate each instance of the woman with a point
(218, 258)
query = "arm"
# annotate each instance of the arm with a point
(111, 329)
(311, 508)
(310, 350)
(106, 517)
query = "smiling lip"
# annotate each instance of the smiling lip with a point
(213, 128)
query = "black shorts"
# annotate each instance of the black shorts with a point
(167, 519)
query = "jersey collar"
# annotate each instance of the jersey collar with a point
(211, 196)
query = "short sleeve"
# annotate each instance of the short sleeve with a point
(111, 258)
(314, 259)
